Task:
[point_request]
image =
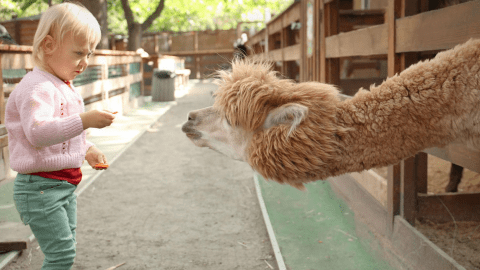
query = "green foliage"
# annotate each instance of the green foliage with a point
(177, 16)
(23, 8)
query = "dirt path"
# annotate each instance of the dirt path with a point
(166, 204)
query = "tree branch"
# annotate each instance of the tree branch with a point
(148, 22)
(128, 12)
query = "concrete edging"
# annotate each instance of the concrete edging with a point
(268, 224)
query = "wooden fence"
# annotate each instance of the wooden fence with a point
(400, 34)
(22, 30)
(297, 53)
(113, 81)
(204, 51)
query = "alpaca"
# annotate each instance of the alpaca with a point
(297, 133)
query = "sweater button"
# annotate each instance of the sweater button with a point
(41, 192)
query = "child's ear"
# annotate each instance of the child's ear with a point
(49, 44)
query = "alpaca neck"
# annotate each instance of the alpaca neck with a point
(386, 126)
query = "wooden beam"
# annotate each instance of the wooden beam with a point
(201, 52)
(15, 48)
(364, 42)
(439, 29)
(449, 207)
(14, 245)
(458, 154)
(16, 60)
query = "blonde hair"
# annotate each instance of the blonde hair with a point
(61, 19)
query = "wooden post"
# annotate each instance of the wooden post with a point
(409, 177)
(155, 44)
(142, 82)
(332, 65)
(394, 171)
(18, 36)
(393, 12)
(104, 77)
(282, 47)
(197, 58)
(317, 20)
(2, 95)
(302, 41)
(323, 50)
(393, 195)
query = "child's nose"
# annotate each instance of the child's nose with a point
(84, 62)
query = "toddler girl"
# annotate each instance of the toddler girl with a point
(46, 126)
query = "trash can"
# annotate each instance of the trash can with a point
(163, 85)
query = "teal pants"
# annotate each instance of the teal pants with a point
(49, 206)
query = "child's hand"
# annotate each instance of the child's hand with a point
(96, 119)
(95, 156)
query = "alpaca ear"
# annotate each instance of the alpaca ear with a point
(291, 114)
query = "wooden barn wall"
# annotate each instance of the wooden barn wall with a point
(22, 31)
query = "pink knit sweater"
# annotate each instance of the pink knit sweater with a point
(45, 132)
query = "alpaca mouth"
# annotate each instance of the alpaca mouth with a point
(191, 133)
(193, 136)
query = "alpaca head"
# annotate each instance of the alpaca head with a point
(258, 118)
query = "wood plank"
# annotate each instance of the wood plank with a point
(393, 195)
(439, 29)
(257, 38)
(408, 189)
(395, 247)
(291, 14)
(202, 52)
(417, 251)
(3, 141)
(10, 246)
(447, 207)
(275, 27)
(351, 20)
(367, 41)
(16, 61)
(275, 55)
(458, 154)
(15, 48)
(2, 95)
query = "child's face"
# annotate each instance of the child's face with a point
(68, 59)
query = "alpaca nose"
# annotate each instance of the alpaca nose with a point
(191, 116)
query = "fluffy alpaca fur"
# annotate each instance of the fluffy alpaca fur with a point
(432, 103)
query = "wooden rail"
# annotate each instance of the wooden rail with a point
(407, 29)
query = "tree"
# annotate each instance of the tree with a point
(135, 29)
(99, 10)
(124, 16)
